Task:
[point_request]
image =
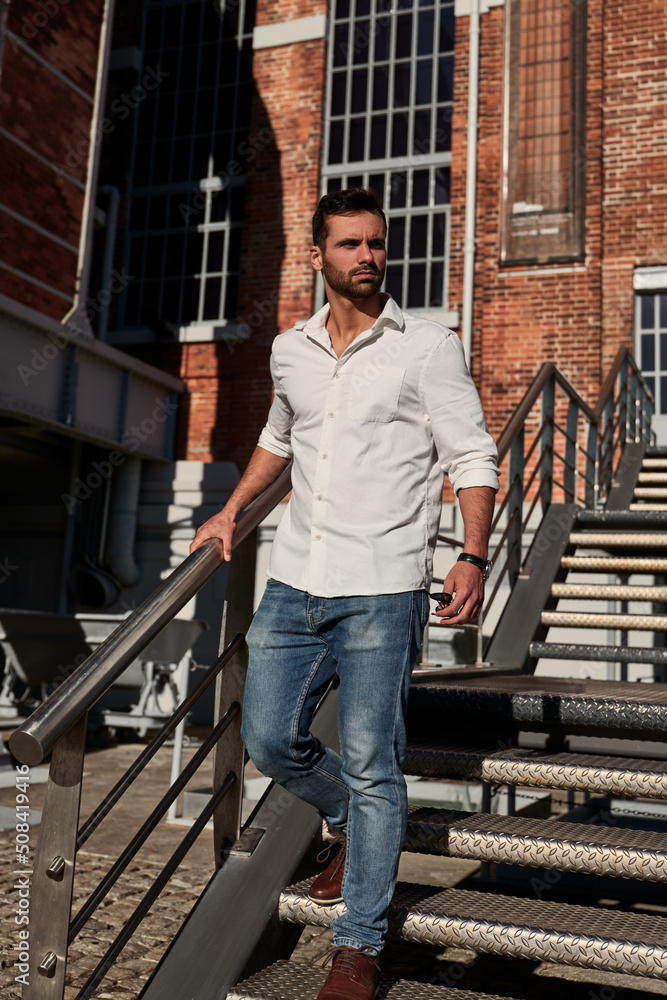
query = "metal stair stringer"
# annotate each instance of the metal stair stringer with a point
(519, 623)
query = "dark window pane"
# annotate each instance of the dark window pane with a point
(231, 296)
(394, 283)
(647, 311)
(437, 283)
(362, 33)
(398, 185)
(190, 300)
(180, 169)
(132, 304)
(208, 65)
(191, 24)
(342, 8)
(340, 45)
(663, 394)
(416, 286)
(402, 85)
(160, 171)
(142, 163)
(334, 184)
(380, 87)
(219, 205)
(443, 130)
(663, 352)
(438, 238)
(376, 183)
(362, 8)
(378, 137)
(359, 83)
(338, 88)
(172, 27)
(150, 302)
(663, 311)
(357, 135)
(403, 36)
(205, 106)
(420, 187)
(399, 137)
(138, 213)
(175, 248)
(216, 247)
(404, 4)
(193, 252)
(421, 142)
(442, 185)
(178, 210)
(425, 33)
(185, 113)
(222, 152)
(234, 252)
(189, 70)
(137, 256)
(354, 181)
(212, 299)
(236, 203)
(418, 233)
(396, 241)
(201, 148)
(447, 29)
(336, 142)
(445, 78)
(225, 112)
(171, 296)
(424, 81)
(164, 120)
(169, 65)
(153, 260)
(382, 35)
(650, 381)
(153, 29)
(250, 11)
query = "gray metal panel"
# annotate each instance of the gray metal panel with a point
(621, 776)
(599, 654)
(625, 480)
(594, 938)
(509, 646)
(550, 844)
(220, 935)
(297, 981)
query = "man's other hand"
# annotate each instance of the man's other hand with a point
(464, 581)
(220, 526)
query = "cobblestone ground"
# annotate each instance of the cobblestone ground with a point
(451, 967)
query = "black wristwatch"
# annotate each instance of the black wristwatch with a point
(480, 563)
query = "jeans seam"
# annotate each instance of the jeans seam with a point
(302, 698)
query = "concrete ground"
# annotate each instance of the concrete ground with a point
(521, 980)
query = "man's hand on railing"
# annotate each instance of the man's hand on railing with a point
(465, 583)
(223, 526)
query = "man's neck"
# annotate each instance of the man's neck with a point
(350, 317)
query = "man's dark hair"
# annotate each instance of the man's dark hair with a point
(349, 201)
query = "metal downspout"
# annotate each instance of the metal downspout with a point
(123, 523)
(75, 316)
(109, 245)
(471, 183)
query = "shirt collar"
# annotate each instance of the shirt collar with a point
(315, 327)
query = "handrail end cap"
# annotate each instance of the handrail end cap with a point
(25, 748)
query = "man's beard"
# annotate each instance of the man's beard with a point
(343, 282)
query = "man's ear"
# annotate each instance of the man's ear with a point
(316, 257)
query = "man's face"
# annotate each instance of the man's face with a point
(354, 258)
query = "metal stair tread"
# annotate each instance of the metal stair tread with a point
(526, 928)
(618, 517)
(609, 592)
(527, 698)
(619, 539)
(298, 981)
(616, 564)
(599, 653)
(606, 620)
(539, 843)
(607, 775)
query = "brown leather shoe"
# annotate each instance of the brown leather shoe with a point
(328, 886)
(353, 976)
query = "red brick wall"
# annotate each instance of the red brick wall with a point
(48, 116)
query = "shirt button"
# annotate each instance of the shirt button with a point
(318, 538)
(330, 414)
(319, 496)
(324, 456)
(337, 375)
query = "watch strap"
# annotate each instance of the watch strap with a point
(483, 564)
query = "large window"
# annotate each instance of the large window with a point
(545, 156)
(186, 199)
(651, 319)
(388, 127)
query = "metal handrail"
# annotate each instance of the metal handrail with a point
(32, 741)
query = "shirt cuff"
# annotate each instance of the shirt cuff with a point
(477, 477)
(269, 442)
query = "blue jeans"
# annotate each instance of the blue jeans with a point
(297, 642)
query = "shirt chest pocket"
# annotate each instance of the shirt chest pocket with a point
(375, 400)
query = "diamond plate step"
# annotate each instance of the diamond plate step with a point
(655, 493)
(562, 700)
(648, 506)
(594, 938)
(608, 592)
(520, 840)
(619, 539)
(616, 564)
(619, 518)
(654, 463)
(598, 654)
(297, 981)
(582, 619)
(617, 776)
(652, 477)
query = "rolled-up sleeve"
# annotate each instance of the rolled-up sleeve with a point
(276, 436)
(466, 451)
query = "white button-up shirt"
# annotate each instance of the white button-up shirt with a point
(371, 434)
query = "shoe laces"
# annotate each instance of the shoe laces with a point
(325, 853)
(345, 960)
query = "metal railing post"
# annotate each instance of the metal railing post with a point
(622, 403)
(229, 751)
(515, 507)
(51, 900)
(634, 409)
(570, 470)
(547, 443)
